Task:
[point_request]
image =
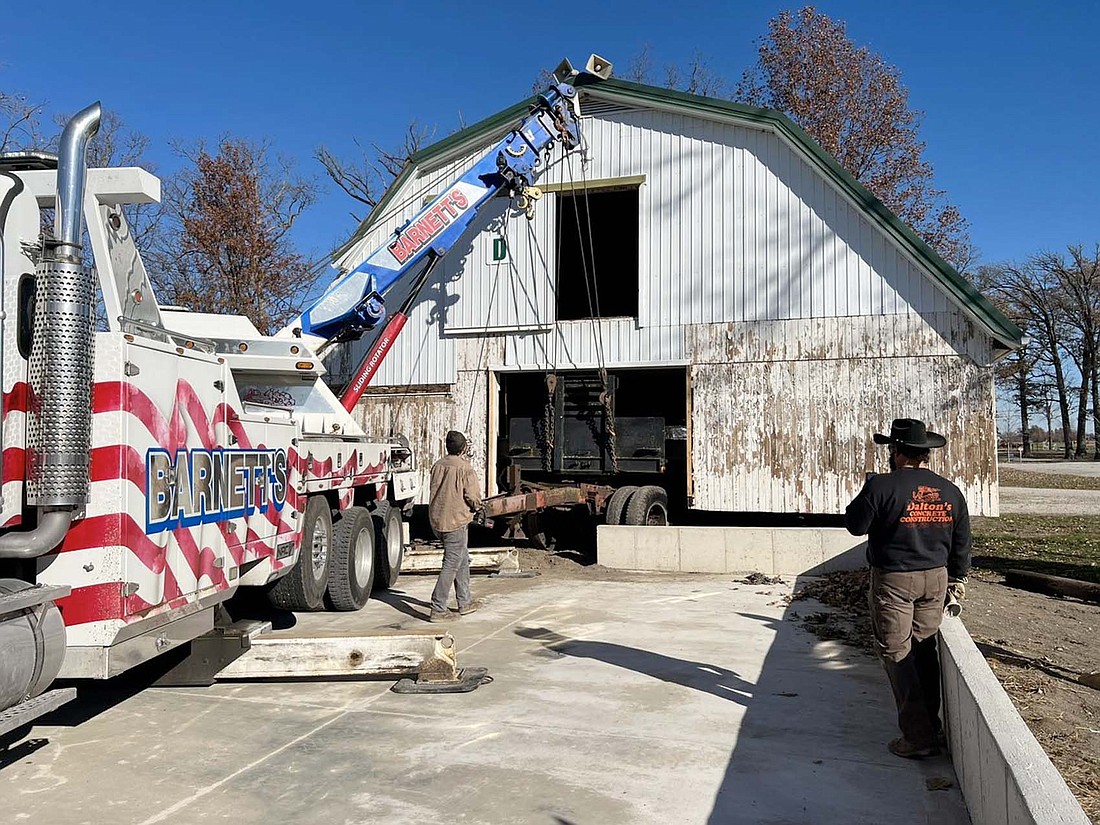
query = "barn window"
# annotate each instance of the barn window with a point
(597, 239)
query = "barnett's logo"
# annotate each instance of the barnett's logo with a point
(434, 220)
(204, 486)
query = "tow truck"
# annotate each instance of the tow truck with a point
(153, 470)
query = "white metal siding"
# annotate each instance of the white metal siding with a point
(735, 226)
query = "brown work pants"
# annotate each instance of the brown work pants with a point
(906, 612)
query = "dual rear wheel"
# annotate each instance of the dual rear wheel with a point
(341, 562)
(646, 505)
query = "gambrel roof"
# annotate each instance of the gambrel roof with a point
(961, 291)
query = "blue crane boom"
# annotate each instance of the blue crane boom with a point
(356, 303)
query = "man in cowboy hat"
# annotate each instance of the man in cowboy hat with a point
(918, 546)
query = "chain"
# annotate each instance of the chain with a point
(548, 416)
(609, 422)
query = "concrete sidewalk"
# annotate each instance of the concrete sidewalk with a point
(651, 700)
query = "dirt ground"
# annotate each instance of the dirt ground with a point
(1038, 646)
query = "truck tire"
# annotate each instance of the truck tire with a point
(616, 505)
(647, 506)
(351, 571)
(389, 544)
(303, 588)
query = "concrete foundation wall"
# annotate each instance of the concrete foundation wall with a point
(792, 551)
(1005, 775)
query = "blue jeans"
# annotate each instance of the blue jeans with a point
(455, 572)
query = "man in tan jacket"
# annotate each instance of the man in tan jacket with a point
(455, 497)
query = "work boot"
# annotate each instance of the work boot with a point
(907, 750)
(445, 616)
(472, 607)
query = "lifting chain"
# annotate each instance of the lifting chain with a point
(609, 422)
(548, 415)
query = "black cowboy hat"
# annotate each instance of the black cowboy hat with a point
(911, 432)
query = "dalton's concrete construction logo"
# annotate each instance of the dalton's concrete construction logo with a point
(203, 486)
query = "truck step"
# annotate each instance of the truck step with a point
(31, 597)
(25, 712)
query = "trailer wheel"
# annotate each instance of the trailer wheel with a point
(539, 529)
(351, 573)
(647, 506)
(389, 542)
(616, 505)
(303, 588)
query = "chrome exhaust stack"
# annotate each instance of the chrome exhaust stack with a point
(59, 416)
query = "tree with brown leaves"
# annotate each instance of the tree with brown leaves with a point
(225, 243)
(853, 103)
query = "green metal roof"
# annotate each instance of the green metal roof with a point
(712, 108)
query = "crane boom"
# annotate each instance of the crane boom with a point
(356, 303)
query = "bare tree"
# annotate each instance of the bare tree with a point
(19, 123)
(1030, 294)
(697, 78)
(1078, 279)
(225, 243)
(366, 178)
(853, 103)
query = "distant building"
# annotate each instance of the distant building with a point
(749, 296)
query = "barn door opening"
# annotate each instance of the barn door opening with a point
(565, 434)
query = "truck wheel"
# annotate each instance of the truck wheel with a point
(647, 506)
(351, 573)
(389, 542)
(539, 529)
(616, 505)
(303, 588)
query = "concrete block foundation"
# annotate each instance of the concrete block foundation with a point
(791, 551)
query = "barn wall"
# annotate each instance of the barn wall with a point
(734, 225)
(425, 418)
(782, 414)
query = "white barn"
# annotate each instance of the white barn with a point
(750, 292)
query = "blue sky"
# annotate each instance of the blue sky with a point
(1012, 111)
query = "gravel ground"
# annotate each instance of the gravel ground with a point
(1069, 468)
(1039, 501)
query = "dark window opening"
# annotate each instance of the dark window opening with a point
(597, 239)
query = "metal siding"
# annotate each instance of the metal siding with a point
(735, 226)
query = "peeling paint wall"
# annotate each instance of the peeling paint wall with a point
(783, 412)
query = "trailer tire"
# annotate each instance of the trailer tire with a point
(352, 569)
(647, 506)
(539, 527)
(389, 544)
(616, 504)
(303, 588)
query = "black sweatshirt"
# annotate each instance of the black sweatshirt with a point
(913, 520)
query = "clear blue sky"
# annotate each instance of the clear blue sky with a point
(1011, 101)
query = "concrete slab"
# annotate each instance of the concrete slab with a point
(660, 699)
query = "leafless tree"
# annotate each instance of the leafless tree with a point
(225, 245)
(1077, 275)
(19, 123)
(367, 177)
(854, 104)
(1030, 294)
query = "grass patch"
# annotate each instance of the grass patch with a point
(1058, 545)
(1048, 481)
